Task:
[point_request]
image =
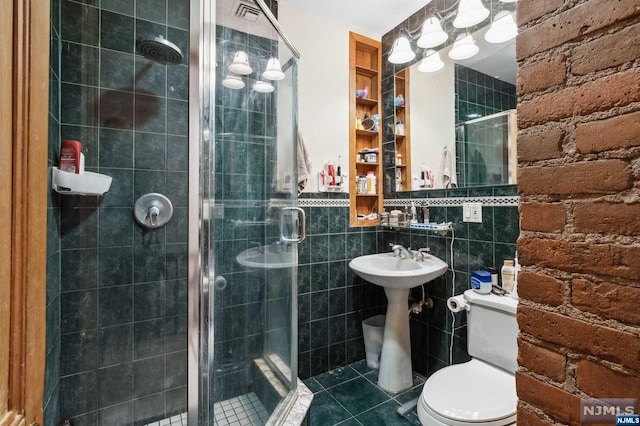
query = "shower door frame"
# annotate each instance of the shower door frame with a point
(202, 54)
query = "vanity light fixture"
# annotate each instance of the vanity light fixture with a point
(470, 13)
(465, 14)
(503, 28)
(233, 82)
(432, 33)
(401, 52)
(240, 64)
(263, 87)
(273, 70)
(431, 62)
(464, 47)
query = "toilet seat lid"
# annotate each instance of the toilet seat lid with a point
(471, 392)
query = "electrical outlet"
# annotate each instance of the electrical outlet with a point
(472, 212)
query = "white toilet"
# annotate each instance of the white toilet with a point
(483, 390)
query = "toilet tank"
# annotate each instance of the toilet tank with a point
(492, 329)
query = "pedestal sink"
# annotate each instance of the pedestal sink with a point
(398, 276)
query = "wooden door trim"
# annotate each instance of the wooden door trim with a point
(24, 67)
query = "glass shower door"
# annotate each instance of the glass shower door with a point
(251, 224)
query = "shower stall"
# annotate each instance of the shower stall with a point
(193, 320)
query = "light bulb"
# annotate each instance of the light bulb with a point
(431, 62)
(432, 33)
(233, 82)
(273, 70)
(470, 13)
(401, 52)
(463, 48)
(263, 87)
(503, 28)
(240, 64)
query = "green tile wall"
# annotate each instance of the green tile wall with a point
(123, 300)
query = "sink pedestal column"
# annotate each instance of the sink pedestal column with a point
(395, 361)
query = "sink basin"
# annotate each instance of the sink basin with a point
(386, 270)
(397, 276)
(265, 258)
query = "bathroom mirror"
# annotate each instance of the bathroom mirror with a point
(455, 127)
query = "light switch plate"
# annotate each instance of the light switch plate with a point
(472, 212)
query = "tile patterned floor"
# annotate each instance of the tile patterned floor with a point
(243, 410)
(349, 396)
(177, 420)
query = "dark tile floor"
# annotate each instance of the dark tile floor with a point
(349, 396)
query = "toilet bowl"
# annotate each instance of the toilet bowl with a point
(473, 393)
(481, 391)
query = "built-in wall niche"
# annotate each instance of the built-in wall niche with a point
(443, 140)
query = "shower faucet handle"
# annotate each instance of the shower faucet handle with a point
(154, 211)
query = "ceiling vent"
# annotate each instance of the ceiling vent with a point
(247, 11)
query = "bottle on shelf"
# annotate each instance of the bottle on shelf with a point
(371, 182)
(331, 171)
(338, 173)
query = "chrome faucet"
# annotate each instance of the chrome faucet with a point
(421, 252)
(402, 252)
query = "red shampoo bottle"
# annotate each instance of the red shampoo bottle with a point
(69, 160)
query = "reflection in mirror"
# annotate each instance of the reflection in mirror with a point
(458, 121)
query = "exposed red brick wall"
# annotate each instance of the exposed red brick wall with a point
(540, 288)
(542, 217)
(579, 181)
(542, 361)
(603, 382)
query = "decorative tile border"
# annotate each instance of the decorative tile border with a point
(490, 201)
(496, 201)
(320, 202)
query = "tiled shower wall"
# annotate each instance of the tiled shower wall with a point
(123, 287)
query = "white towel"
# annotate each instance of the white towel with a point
(304, 165)
(448, 170)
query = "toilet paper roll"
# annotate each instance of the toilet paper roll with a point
(457, 304)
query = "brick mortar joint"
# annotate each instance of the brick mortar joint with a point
(621, 241)
(571, 312)
(538, 412)
(566, 386)
(577, 357)
(582, 39)
(568, 5)
(543, 344)
(628, 197)
(571, 80)
(570, 123)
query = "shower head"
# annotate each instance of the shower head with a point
(160, 50)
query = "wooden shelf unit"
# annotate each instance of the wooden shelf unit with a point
(365, 69)
(403, 142)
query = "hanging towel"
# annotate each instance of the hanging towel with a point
(304, 165)
(448, 170)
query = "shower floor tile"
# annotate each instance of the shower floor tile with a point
(350, 396)
(243, 410)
